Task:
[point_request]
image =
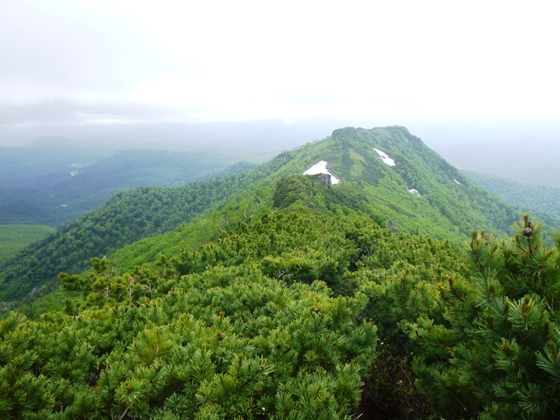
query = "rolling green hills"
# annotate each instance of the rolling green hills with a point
(412, 189)
(341, 280)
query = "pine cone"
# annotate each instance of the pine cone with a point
(527, 231)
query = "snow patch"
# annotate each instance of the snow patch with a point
(384, 157)
(415, 192)
(457, 182)
(321, 168)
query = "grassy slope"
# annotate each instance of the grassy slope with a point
(13, 238)
(444, 209)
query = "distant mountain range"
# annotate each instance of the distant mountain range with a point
(385, 173)
(54, 180)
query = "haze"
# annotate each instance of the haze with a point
(450, 72)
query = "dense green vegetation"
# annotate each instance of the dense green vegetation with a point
(446, 205)
(239, 328)
(13, 238)
(264, 323)
(270, 294)
(494, 351)
(543, 200)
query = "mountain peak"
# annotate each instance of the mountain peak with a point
(352, 131)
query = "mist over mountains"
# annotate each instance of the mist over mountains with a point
(529, 162)
(258, 135)
(288, 133)
(524, 150)
(55, 180)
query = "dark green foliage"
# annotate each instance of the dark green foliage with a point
(390, 391)
(204, 335)
(443, 208)
(399, 273)
(21, 211)
(294, 314)
(311, 192)
(283, 307)
(494, 354)
(296, 187)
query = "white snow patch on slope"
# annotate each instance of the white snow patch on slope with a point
(415, 192)
(321, 168)
(384, 157)
(457, 182)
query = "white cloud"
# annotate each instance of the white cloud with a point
(223, 60)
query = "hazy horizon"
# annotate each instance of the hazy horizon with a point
(275, 132)
(451, 73)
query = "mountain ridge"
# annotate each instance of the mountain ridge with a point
(275, 294)
(420, 194)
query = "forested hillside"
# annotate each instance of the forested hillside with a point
(385, 174)
(543, 200)
(239, 328)
(299, 315)
(341, 280)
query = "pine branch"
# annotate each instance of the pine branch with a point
(124, 414)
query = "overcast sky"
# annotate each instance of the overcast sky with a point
(475, 63)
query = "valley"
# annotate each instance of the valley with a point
(54, 191)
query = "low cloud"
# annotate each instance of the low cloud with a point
(63, 111)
